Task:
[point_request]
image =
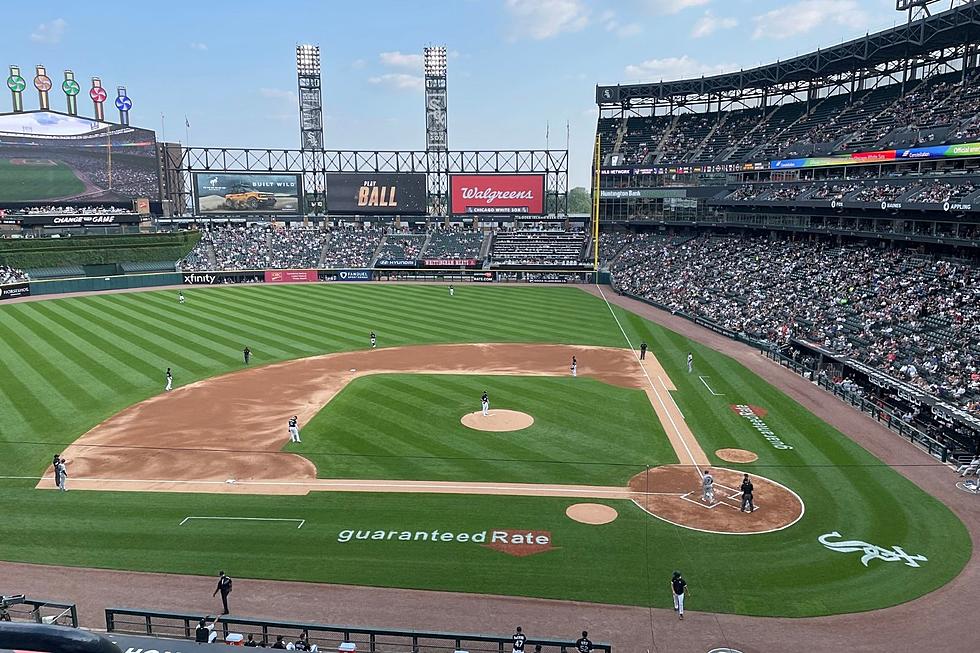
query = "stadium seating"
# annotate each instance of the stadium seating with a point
(454, 244)
(11, 275)
(938, 110)
(351, 248)
(402, 246)
(914, 317)
(538, 247)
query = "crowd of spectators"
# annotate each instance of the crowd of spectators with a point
(351, 247)
(11, 275)
(915, 318)
(296, 248)
(402, 246)
(940, 191)
(880, 192)
(454, 243)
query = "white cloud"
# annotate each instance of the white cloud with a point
(399, 81)
(673, 6)
(401, 60)
(806, 15)
(611, 24)
(195, 45)
(545, 19)
(708, 24)
(50, 32)
(670, 68)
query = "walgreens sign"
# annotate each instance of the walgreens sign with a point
(522, 194)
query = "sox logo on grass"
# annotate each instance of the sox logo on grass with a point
(871, 551)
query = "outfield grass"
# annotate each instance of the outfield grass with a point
(29, 183)
(406, 426)
(67, 364)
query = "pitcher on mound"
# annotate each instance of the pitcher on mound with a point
(485, 403)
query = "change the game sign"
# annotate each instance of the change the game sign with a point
(489, 194)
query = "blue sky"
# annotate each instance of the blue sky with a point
(515, 66)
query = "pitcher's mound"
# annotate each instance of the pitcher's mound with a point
(498, 420)
(591, 513)
(736, 456)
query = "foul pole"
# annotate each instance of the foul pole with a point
(595, 207)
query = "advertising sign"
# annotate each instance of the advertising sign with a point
(395, 263)
(62, 220)
(290, 276)
(50, 157)
(489, 194)
(244, 192)
(354, 275)
(376, 193)
(449, 262)
(15, 290)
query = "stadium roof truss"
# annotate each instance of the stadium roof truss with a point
(180, 164)
(944, 42)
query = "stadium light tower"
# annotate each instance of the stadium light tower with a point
(310, 101)
(436, 126)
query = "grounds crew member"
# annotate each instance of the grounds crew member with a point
(746, 488)
(678, 587)
(224, 586)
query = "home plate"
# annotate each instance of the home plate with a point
(230, 480)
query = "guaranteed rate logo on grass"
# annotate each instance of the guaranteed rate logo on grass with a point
(754, 415)
(513, 542)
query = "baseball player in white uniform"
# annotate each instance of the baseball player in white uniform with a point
(574, 367)
(61, 473)
(485, 402)
(708, 487)
(690, 362)
(294, 429)
(452, 291)
(374, 340)
(170, 380)
(180, 297)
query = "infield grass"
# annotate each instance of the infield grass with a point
(67, 364)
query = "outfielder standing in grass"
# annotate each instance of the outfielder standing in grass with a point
(678, 587)
(246, 354)
(170, 380)
(374, 340)
(690, 362)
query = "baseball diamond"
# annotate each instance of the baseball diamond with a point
(701, 376)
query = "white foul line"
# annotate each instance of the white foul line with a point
(717, 394)
(301, 521)
(652, 384)
(671, 397)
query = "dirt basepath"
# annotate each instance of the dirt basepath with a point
(232, 428)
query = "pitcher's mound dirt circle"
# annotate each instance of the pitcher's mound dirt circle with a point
(736, 456)
(591, 513)
(673, 493)
(498, 420)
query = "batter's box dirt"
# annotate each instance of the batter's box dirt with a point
(672, 493)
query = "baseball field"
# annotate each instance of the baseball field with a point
(390, 488)
(26, 180)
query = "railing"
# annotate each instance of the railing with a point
(326, 637)
(879, 413)
(42, 612)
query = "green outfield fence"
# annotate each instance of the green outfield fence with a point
(131, 621)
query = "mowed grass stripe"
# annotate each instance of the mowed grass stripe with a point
(117, 361)
(84, 367)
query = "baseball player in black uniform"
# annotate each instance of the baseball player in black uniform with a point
(224, 586)
(374, 340)
(574, 366)
(747, 494)
(519, 639)
(583, 644)
(643, 350)
(246, 354)
(678, 587)
(294, 429)
(57, 469)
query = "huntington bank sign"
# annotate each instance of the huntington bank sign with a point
(513, 542)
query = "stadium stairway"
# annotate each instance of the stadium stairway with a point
(378, 250)
(324, 250)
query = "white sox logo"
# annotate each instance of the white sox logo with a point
(871, 551)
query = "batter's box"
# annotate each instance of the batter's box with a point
(733, 501)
